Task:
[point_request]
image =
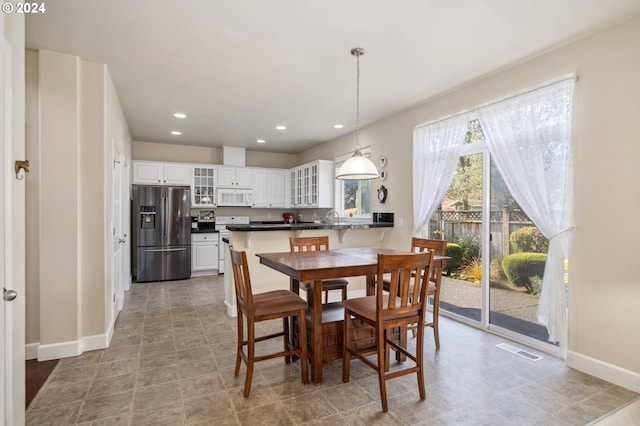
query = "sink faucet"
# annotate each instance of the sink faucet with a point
(332, 216)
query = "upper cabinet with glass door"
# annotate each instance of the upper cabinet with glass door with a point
(311, 185)
(204, 181)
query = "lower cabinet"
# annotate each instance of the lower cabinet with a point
(204, 254)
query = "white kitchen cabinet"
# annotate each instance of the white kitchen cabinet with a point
(312, 185)
(204, 254)
(203, 186)
(234, 176)
(268, 188)
(276, 188)
(157, 173)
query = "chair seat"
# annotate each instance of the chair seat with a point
(277, 301)
(431, 290)
(365, 307)
(331, 284)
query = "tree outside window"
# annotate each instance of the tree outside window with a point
(356, 198)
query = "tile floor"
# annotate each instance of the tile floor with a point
(172, 356)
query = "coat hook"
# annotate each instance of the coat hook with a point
(21, 166)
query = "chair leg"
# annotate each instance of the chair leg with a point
(239, 345)
(285, 338)
(344, 293)
(250, 357)
(346, 341)
(436, 315)
(326, 296)
(302, 332)
(419, 362)
(382, 367)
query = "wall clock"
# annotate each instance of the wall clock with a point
(382, 194)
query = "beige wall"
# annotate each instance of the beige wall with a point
(73, 118)
(32, 217)
(59, 198)
(604, 314)
(92, 199)
(207, 155)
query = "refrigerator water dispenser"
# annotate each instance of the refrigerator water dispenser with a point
(147, 217)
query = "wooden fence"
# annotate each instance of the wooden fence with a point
(465, 223)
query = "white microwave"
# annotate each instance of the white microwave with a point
(234, 197)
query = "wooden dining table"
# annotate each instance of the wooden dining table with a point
(316, 266)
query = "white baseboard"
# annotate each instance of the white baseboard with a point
(67, 349)
(232, 310)
(31, 351)
(605, 371)
(204, 273)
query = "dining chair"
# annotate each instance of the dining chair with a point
(262, 307)
(403, 305)
(438, 248)
(317, 244)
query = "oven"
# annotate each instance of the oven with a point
(221, 227)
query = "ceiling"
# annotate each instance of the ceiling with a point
(238, 68)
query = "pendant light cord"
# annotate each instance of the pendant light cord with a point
(358, 101)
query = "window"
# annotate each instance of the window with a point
(353, 197)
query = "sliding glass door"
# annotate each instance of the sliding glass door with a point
(493, 281)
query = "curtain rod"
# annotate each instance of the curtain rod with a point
(565, 77)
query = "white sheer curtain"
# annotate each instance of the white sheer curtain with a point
(435, 155)
(529, 137)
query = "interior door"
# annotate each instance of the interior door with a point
(5, 341)
(118, 234)
(12, 233)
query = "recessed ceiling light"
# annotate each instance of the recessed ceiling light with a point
(180, 115)
(281, 127)
(176, 133)
(338, 126)
(261, 141)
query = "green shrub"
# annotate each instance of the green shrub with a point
(520, 267)
(456, 254)
(536, 285)
(529, 240)
(496, 273)
(470, 244)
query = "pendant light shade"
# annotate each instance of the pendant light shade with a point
(358, 167)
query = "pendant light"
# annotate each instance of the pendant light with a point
(358, 167)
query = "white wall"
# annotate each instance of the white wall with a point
(604, 314)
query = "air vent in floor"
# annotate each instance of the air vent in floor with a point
(520, 352)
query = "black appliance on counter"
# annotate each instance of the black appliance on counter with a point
(382, 217)
(161, 228)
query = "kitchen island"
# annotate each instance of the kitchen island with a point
(266, 237)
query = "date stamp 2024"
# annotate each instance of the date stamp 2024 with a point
(24, 8)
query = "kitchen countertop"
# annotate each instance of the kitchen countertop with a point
(203, 231)
(306, 225)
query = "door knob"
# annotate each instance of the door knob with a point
(9, 295)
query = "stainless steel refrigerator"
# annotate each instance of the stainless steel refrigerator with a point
(161, 225)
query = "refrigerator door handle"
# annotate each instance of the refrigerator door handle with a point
(165, 249)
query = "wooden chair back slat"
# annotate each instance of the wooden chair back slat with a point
(241, 279)
(436, 247)
(408, 280)
(309, 243)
